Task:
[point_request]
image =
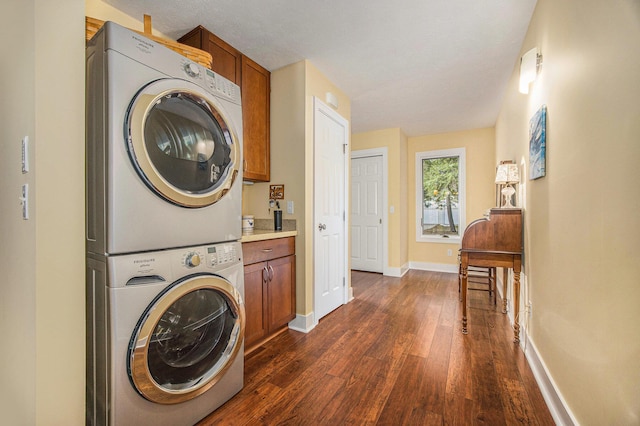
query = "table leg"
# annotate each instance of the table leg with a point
(516, 304)
(505, 279)
(463, 273)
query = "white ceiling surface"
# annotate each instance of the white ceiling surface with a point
(425, 66)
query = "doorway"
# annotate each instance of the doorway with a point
(366, 214)
(369, 221)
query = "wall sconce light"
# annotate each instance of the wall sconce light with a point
(507, 175)
(530, 65)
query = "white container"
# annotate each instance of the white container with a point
(247, 223)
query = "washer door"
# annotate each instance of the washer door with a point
(181, 143)
(186, 339)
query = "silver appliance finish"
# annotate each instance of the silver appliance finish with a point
(120, 292)
(125, 215)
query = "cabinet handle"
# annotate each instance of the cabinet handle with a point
(265, 275)
(270, 273)
(267, 250)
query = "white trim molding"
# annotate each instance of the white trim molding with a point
(303, 323)
(396, 272)
(434, 267)
(556, 403)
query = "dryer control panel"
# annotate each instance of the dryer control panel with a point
(221, 254)
(212, 256)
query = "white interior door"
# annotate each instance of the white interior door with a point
(366, 214)
(330, 146)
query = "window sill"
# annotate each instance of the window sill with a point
(439, 239)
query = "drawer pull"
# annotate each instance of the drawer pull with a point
(267, 250)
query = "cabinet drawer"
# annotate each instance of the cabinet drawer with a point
(260, 251)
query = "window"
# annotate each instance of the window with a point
(440, 195)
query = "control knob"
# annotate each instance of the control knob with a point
(192, 260)
(192, 69)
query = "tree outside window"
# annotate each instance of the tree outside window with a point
(440, 188)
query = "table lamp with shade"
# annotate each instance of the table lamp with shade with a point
(507, 175)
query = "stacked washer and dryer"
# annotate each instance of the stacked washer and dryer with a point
(165, 284)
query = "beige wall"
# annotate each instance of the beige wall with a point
(42, 259)
(287, 162)
(581, 220)
(480, 189)
(292, 90)
(396, 143)
(105, 12)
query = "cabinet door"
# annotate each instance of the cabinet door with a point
(254, 303)
(282, 292)
(226, 59)
(256, 89)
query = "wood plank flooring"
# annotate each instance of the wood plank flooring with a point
(394, 355)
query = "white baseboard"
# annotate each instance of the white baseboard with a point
(556, 403)
(303, 323)
(435, 267)
(396, 272)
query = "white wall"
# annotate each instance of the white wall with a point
(42, 307)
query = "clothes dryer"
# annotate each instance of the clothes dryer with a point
(165, 335)
(164, 147)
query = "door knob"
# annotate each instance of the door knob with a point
(322, 227)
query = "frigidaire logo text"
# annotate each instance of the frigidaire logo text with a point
(143, 41)
(144, 261)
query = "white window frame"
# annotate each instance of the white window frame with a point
(462, 197)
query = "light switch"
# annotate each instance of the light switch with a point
(24, 200)
(25, 154)
(289, 207)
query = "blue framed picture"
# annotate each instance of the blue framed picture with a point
(538, 144)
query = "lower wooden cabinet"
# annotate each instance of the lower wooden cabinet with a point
(269, 288)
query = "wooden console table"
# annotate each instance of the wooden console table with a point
(496, 241)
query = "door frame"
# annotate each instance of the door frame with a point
(318, 104)
(380, 152)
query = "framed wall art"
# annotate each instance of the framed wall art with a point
(276, 192)
(538, 144)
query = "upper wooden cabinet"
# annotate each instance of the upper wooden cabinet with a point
(255, 86)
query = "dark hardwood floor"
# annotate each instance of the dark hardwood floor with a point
(394, 355)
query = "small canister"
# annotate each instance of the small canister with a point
(247, 224)
(277, 220)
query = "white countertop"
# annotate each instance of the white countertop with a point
(263, 234)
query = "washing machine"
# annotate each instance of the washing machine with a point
(164, 148)
(165, 334)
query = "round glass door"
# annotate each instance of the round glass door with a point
(186, 339)
(181, 143)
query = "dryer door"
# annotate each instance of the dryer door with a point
(186, 339)
(181, 143)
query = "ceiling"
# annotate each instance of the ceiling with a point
(425, 66)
